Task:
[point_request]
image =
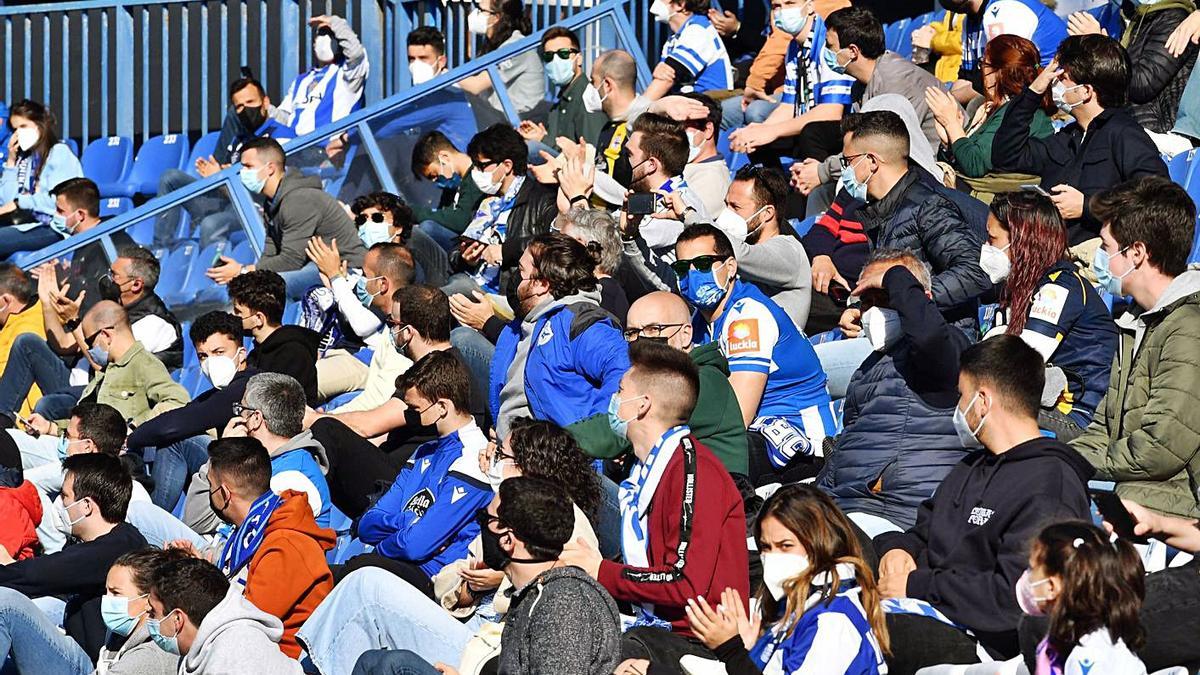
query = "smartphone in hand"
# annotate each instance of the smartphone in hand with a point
(641, 204)
(1115, 513)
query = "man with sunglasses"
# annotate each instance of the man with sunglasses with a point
(774, 371)
(569, 117)
(716, 421)
(426, 519)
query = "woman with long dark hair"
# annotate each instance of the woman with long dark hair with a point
(501, 23)
(818, 594)
(1009, 64)
(1046, 303)
(35, 164)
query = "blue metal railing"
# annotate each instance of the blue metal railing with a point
(365, 133)
(139, 68)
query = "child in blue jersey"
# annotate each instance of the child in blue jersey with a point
(693, 57)
(774, 371)
(829, 617)
(426, 519)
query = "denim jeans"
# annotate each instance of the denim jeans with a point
(159, 526)
(388, 662)
(374, 609)
(33, 643)
(13, 240)
(172, 467)
(476, 351)
(31, 361)
(732, 115)
(608, 520)
(57, 406)
(443, 235)
(299, 281)
(839, 359)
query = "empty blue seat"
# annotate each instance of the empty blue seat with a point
(114, 206)
(107, 161)
(156, 155)
(72, 145)
(176, 266)
(185, 292)
(142, 231)
(242, 253)
(803, 226)
(204, 147)
(189, 349)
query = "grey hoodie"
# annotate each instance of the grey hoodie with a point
(513, 400)
(137, 655)
(237, 637)
(197, 510)
(299, 211)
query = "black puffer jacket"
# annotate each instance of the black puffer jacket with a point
(899, 440)
(918, 216)
(1156, 79)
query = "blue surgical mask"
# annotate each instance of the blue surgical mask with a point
(63, 446)
(791, 20)
(1104, 275)
(373, 233)
(831, 60)
(966, 435)
(99, 355)
(169, 644)
(560, 71)
(450, 182)
(114, 610)
(252, 180)
(851, 185)
(360, 289)
(619, 426)
(59, 224)
(701, 288)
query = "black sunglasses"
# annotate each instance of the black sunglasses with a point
(702, 263)
(563, 54)
(362, 218)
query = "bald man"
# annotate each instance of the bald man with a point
(717, 420)
(614, 77)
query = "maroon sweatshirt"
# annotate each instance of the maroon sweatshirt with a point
(714, 553)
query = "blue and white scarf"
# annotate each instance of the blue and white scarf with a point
(638, 491)
(248, 536)
(489, 225)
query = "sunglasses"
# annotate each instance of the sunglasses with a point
(701, 263)
(239, 409)
(563, 54)
(362, 218)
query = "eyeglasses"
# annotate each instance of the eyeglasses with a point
(395, 326)
(847, 160)
(702, 263)
(652, 330)
(483, 165)
(362, 218)
(485, 519)
(563, 54)
(239, 410)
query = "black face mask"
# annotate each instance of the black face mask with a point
(251, 118)
(494, 555)
(109, 290)
(512, 293)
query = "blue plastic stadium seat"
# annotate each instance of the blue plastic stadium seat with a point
(72, 145)
(803, 226)
(189, 287)
(176, 265)
(1180, 166)
(142, 231)
(204, 147)
(107, 161)
(156, 155)
(189, 349)
(242, 253)
(291, 313)
(114, 206)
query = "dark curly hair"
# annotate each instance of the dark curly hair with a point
(542, 449)
(402, 215)
(564, 263)
(1103, 584)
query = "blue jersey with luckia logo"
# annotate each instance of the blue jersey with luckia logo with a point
(757, 336)
(1029, 19)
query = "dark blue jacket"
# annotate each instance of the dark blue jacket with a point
(898, 442)
(577, 356)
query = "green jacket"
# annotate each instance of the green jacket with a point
(972, 155)
(456, 208)
(570, 118)
(138, 385)
(1146, 432)
(716, 422)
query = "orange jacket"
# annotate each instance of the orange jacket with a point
(766, 73)
(288, 575)
(20, 513)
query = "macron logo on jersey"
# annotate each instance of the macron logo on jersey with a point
(459, 493)
(424, 465)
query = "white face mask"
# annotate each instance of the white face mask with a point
(778, 568)
(323, 48)
(495, 474)
(219, 370)
(477, 22)
(695, 140)
(421, 72)
(27, 137)
(995, 262)
(661, 11)
(486, 181)
(881, 327)
(593, 102)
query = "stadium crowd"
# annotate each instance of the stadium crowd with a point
(913, 390)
